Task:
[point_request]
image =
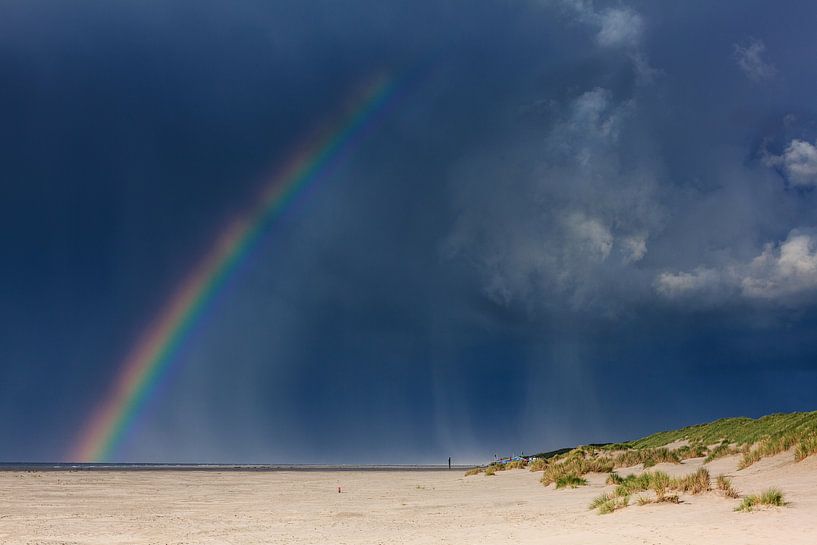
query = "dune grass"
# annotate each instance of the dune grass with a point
(537, 465)
(756, 438)
(490, 471)
(655, 482)
(474, 471)
(806, 448)
(648, 457)
(570, 481)
(607, 503)
(577, 463)
(724, 449)
(724, 484)
(771, 497)
(516, 464)
(614, 478)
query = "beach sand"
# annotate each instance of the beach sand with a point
(409, 507)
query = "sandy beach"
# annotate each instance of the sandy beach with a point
(385, 507)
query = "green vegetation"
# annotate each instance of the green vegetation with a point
(695, 483)
(648, 456)
(614, 478)
(657, 482)
(771, 434)
(570, 481)
(490, 471)
(607, 503)
(807, 447)
(686, 452)
(770, 496)
(724, 449)
(753, 438)
(725, 486)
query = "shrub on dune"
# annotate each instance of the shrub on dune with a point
(490, 471)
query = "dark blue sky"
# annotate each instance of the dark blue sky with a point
(582, 221)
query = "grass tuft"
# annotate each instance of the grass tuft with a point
(719, 452)
(771, 496)
(805, 448)
(725, 486)
(490, 471)
(614, 478)
(695, 483)
(607, 503)
(570, 481)
(474, 471)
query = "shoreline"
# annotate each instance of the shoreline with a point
(128, 467)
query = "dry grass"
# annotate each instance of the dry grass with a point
(577, 463)
(806, 447)
(725, 486)
(647, 457)
(537, 465)
(516, 464)
(695, 483)
(771, 497)
(689, 451)
(474, 471)
(657, 482)
(490, 471)
(607, 503)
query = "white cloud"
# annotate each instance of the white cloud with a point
(750, 60)
(784, 272)
(619, 27)
(554, 222)
(798, 162)
(616, 28)
(634, 248)
(592, 239)
(786, 269)
(700, 281)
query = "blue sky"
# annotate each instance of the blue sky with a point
(582, 221)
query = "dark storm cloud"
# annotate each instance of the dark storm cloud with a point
(570, 198)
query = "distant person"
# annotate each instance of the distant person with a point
(449, 462)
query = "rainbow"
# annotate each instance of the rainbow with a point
(153, 355)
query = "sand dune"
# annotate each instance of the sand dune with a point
(390, 507)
